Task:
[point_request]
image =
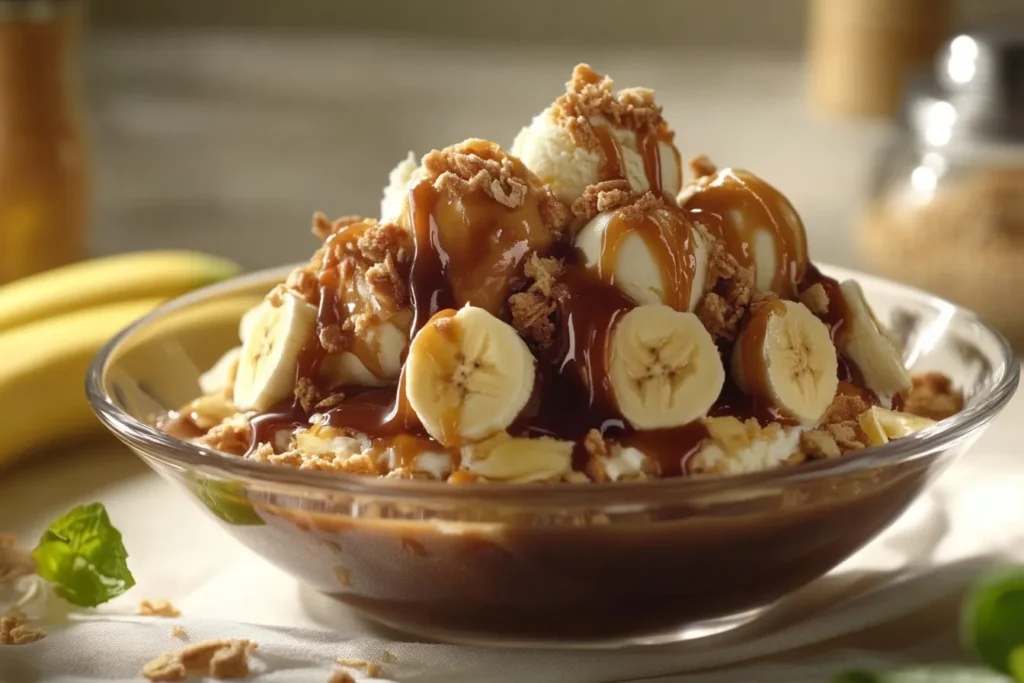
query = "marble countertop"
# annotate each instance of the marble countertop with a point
(227, 141)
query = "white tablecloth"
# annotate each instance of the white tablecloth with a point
(893, 602)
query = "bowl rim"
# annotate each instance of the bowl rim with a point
(185, 455)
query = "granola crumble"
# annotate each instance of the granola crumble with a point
(158, 608)
(604, 196)
(588, 94)
(532, 309)
(701, 166)
(233, 435)
(372, 669)
(730, 290)
(818, 444)
(178, 631)
(933, 396)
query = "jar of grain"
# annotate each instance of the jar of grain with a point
(947, 206)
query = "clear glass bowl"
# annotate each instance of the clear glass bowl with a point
(603, 563)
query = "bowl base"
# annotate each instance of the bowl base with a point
(688, 632)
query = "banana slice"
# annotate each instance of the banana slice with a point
(516, 459)
(660, 260)
(664, 368)
(863, 340)
(785, 356)
(248, 322)
(468, 375)
(881, 425)
(270, 353)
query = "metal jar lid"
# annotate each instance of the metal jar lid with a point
(976, 93)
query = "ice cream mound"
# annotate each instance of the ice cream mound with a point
(566, 312)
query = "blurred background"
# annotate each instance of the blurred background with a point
(222, 126)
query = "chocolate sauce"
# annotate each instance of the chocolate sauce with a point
(734, 206)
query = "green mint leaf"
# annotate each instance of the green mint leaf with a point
(226, 500)
(992, 617)
(83, 556)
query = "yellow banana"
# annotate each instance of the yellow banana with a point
(106, 280)
(42, 399)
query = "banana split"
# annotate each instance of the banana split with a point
(567, 311)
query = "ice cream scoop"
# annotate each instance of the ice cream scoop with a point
(476, 215)
(651, 252)
(756, 224)
(402, 177)
(591, 134)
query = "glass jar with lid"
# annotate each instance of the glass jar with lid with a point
(43, 173)
(947, 207)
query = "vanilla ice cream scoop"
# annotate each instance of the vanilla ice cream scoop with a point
(396, 193)
(651, 252)
(755, 223)
(591, 134)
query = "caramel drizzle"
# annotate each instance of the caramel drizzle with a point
(714, 204)
(613, 166)
(668, 236)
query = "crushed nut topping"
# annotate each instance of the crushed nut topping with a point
(371, 668)
(933, 396)
(158, 608)
(589, 94)
(730, 290)
(532, 310)
(178, 631)
(815, 298)
(604, 196)
(233, 435)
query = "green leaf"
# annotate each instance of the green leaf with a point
(83, 556)
(992, 618)
(1016, 663)
(227, 500)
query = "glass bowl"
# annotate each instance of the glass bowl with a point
(532, 563)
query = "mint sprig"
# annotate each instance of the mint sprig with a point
(83, 556)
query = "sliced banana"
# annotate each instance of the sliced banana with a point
(468, 376)
(863, 340)
(270, 353)
(881, 425)
(249, 318)
(663, 367)
(638, 269)
(784, 355)
(515, 459)
(218, 378)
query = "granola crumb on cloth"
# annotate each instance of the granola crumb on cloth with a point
(158, 608)
(15, 631)
(178, 631)
(371, 668)
(223, 658)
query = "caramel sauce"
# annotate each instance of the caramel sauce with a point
(750, 363)
(735, 206)
(668, 236)
(835, 317)
(613, 166)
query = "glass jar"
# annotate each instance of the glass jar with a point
(43, 173)
(947, 207)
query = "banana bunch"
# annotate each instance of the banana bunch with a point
(53, 323)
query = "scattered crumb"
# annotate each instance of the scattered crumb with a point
(15, 561)
(639, 209)
(389, 658)
(604, 196)
(730, 291)
(15, 631)
(372, 669)
(933, 396)
(324, 228)
(158, 608)
(848, 435)
(342, 575)
(222, 658)
(178, 631)
(816, 299)
(307, 394)
(701, 166)
(166, 667)
(340, 676)
(532, 310)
